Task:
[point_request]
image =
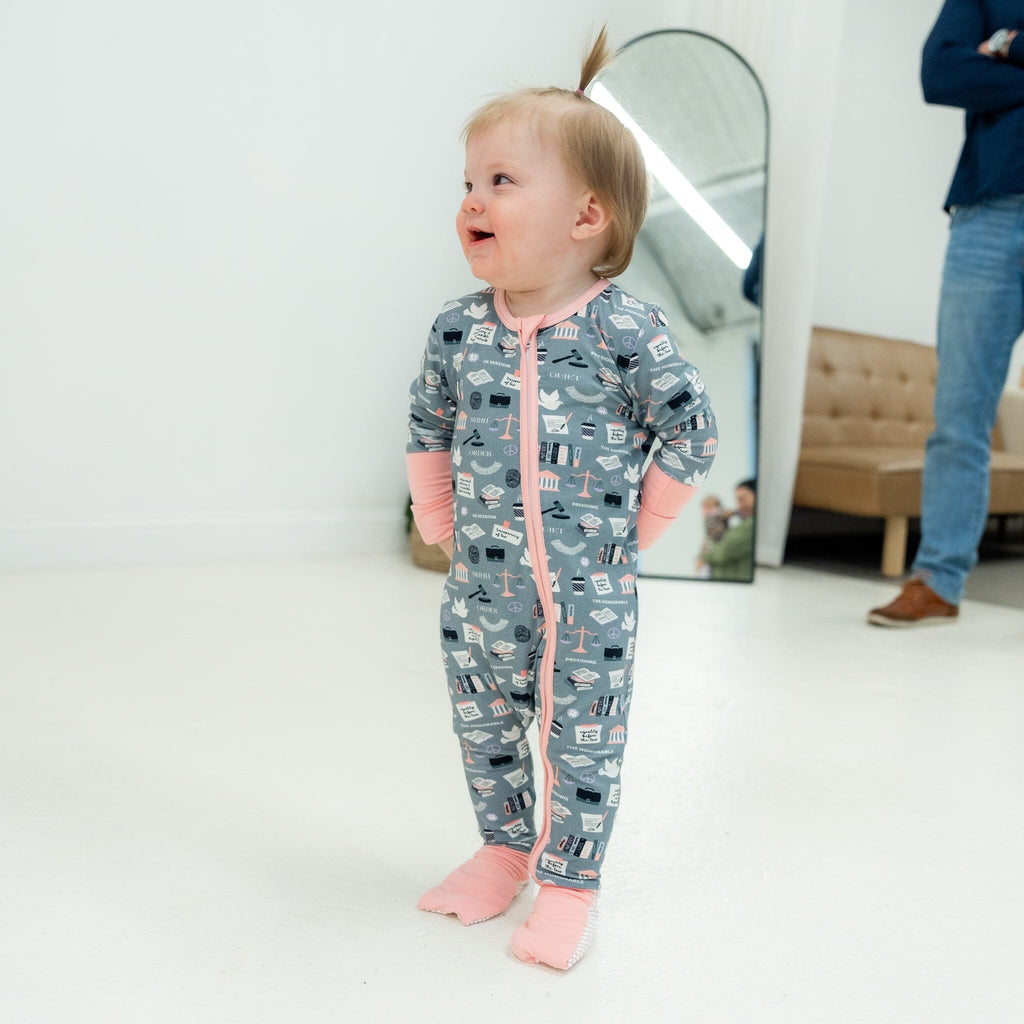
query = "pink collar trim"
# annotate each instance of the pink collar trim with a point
(515, 323)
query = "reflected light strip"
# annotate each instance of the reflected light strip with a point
(677, 184)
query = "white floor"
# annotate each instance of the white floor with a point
(222, 790)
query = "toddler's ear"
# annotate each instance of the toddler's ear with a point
(592, 218)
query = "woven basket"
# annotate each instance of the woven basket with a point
(427, 556)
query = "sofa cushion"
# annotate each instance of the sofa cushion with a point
(860, 480)
(1006, 484)
(887, 481)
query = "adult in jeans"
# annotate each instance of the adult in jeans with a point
(974, 59)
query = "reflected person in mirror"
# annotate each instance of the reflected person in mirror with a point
(715, 523)
(974, 59)
(754, 274)
(731, 557)
(537, 403)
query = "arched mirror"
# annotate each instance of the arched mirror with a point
(700, 115)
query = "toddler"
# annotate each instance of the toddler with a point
(715, 523)
(538, 401)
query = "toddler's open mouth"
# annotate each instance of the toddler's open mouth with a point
(479, 236)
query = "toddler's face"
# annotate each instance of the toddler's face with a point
(516, 222)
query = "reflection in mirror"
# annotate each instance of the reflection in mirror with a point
(699, 114)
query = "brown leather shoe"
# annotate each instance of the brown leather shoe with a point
(917, 604)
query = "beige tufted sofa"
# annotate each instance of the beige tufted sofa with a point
(867, 415)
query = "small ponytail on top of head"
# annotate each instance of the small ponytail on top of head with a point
(597, 59)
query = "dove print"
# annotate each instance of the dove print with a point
(543, 427)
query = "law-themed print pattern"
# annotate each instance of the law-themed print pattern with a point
(549, 424)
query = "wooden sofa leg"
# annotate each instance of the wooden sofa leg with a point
(894, 546)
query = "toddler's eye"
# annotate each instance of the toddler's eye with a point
(468, 186)
(502, 179)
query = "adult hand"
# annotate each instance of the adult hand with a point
(984, 50)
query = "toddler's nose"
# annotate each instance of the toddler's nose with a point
(471, 203)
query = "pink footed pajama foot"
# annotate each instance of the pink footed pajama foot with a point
(560, 929)
(481, 888)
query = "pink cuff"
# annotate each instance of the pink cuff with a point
(430, 483)
(663, 499)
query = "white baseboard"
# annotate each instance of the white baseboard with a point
(203, 537)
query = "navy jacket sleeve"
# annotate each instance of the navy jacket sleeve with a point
(1015, 55)
(954, 74)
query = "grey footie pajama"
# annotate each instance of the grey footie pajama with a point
(549, 421)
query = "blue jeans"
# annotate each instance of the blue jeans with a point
(981, 315)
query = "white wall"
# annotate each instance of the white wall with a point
(883, 233)
(883, 229)
(227, 228)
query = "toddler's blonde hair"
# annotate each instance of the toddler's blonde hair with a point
(596, 147)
